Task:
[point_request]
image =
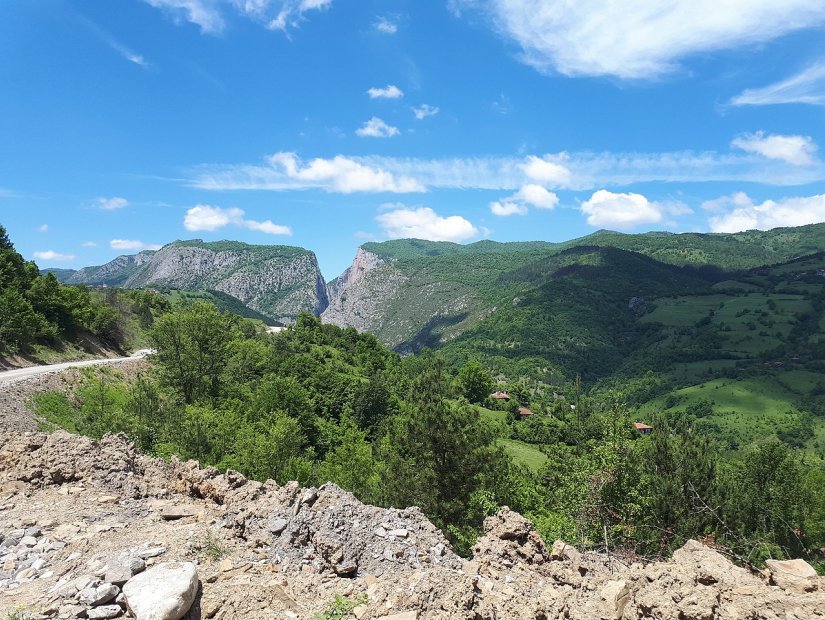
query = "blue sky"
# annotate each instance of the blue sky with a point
(327, 123)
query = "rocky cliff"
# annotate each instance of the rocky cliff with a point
(277, 281)
(361, 296)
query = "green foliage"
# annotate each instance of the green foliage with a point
(193, 348)
(440, 452)
(212, 547)
(341, 607)
(474, 382)
(37, 311)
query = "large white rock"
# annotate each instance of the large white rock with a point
(164, 592)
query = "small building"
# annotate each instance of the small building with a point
(642, 428)
(500, 395)
(524, 412)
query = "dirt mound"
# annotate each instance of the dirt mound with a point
(74, 512)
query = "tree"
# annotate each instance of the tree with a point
(474, 382)
(440, 452)
(668, 487)
(20, 324)
(350, 463)
(192, 346)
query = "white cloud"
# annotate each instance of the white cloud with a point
(424, 223)
(111, 204)
(203, 13)
(530, 195)
(505, 208)
(385, 25)
(424, 110)
(796, 150)
(744, 214)
(807, 86)
(576, 171)
(641, 38)
(536, 196)
(544, 171)
(608, 210)
(376, 128)
(274, 14)
(132, 244)
(391, 91)
(88, 244)
(207, 217)
(289, 12)
(341, 174)
(43, 228)
(50, 255)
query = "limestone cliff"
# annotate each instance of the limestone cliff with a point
(358, 297)
(277, 281)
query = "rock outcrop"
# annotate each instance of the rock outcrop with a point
(277, 281)
(359, 297)
(80, 520)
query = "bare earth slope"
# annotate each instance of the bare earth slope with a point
(265, 551)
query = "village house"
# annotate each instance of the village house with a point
(642, 428)
(500, 395)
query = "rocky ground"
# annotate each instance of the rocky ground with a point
(96, 530)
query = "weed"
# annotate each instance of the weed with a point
(213, 548)
(341, 607)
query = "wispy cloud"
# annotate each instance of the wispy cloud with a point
(52, 256)
(111, 204)
(209, 218)
(807, 86)
(575, 171)
(391, 91)
(43, 228)
(113, 43)
(386, 25)
(88, 244)
(424, 110)
(377, 128)
(796, 150)
(203, 13)
(740, 212)
(646, 40)
(209, 16)
(133, 245)
(424, 223)
(286, 171)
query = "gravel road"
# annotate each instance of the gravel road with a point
(8, 377)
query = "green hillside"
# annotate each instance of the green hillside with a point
(728, 251)
(222, 301)
(750, 341)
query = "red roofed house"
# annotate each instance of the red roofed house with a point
(524, 412)
(500, 395)
(642, 428)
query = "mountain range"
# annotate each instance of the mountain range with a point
(412, 293)
(673, 320)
